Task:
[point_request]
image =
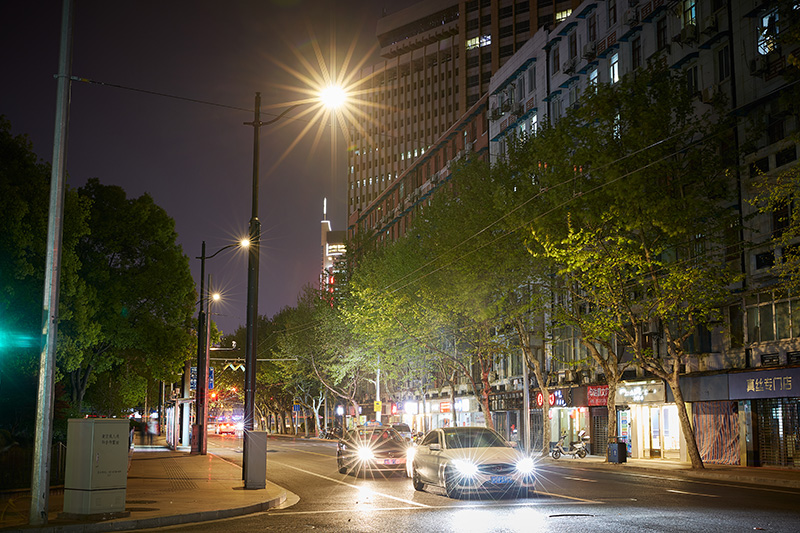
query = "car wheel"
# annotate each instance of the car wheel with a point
(340, 464)
(556, 454)
(581, 453)
(416, 480)
(450, 486)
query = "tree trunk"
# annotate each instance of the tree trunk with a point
(611, 405)
(686, 424)
(487, 387)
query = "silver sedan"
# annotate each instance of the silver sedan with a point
(470, 460)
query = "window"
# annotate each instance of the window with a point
(573, 45)
(613, 68)
(723, 63)
(692, 80)
(636, 52)
(591, 28)
(556, 60)
(768, 33)
(772, 316)
(532, 78)
(661, 33)
(612, 12)
(689, 12)
(592, 81)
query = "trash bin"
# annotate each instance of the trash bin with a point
(617, 450)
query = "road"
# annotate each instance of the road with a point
(569, 498)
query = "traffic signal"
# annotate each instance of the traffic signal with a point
(213, 395)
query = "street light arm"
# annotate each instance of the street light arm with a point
(276, 119)
(218, 251)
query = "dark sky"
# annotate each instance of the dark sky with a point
(195, 160)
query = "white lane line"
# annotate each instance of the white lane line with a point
(554, 495)
(692, 493)
(376, 493)
(581, 479)
(464, 505)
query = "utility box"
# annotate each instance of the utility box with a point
(255, 476)
(96, 476)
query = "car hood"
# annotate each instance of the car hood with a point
(484, 455)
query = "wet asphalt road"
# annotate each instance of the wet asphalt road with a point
(568, 499)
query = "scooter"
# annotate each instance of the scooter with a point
(575, 448)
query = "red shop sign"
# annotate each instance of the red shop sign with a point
(597, 394)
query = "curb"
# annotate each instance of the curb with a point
(162, 521)
(706, 474)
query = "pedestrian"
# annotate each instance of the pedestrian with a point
(152, 430)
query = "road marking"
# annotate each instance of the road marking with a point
(573, 498)
(581, 479)
(692, 493)
(688, 479)
(403, 500)
(460, 505)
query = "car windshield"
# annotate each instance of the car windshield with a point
(402, 427)
(377, 435)
(473, 438)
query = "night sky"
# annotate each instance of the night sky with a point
(195, 159)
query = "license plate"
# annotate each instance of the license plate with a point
(498, 480)
(394, 461)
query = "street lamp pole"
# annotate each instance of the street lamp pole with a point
(252, 311)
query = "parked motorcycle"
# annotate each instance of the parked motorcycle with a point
(575, 448)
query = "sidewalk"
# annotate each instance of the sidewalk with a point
(772, 477)
(165, 488)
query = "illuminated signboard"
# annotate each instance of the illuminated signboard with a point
(765, 384)
(556, 399)
(641, 392)
(597, 394)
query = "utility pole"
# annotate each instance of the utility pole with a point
(40, 477)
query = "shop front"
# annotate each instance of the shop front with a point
(648, 424)
(769, 414)
(441, 413)
(597, 398)
(568, 413)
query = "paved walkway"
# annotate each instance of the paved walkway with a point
(165, 487)
(168, 487)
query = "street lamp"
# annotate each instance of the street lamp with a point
(203, 333)
(255, 450)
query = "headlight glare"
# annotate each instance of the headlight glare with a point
(365, 454)
(525, 466)
(465, 468)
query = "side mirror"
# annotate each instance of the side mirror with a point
(514, 444)
(435, 447)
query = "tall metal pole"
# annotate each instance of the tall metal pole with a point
(201, 387)
(252, 298)
(40, 477)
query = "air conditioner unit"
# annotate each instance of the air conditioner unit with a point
(492, 376)
(631, 17)
(708, 93)
(569, 66)
(589, 50)
(689, 33)
(709, 25)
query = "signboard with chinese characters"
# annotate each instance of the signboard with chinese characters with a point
(597, 394)
(558, 398)
(765, 384)
(651, 391)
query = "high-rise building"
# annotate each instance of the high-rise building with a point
(439, 57)
(333, 248)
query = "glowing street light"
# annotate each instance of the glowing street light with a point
(254, 477)
(333, 96)
(203, 334)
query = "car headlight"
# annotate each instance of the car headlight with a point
(365, 454)
(525, 466)
(465, 468)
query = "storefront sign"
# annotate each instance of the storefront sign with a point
(641, 392)
(597, 395)
(557, 399)
(444, 407)
(765, 384)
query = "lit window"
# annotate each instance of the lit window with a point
(768, 33)
(479, 42)
(592, 83)
(613, 68)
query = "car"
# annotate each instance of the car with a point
(226, 427)
(371, 449)
(466, 460)
(403, 430)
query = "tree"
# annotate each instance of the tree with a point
(637, 199)
(140, 290)
(24, 200)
